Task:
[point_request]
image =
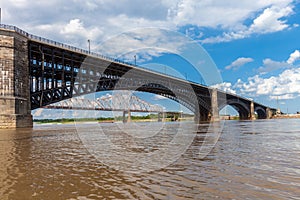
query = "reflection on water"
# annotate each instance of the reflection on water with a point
(251, 160)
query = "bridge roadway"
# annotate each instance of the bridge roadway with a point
(36, 72)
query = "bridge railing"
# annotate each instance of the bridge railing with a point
(79, 50)
(48, 41)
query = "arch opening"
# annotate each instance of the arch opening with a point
(260, 113)
(229, 113)
(241, 108)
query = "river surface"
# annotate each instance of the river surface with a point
(251, 160)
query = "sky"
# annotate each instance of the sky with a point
(254, 45)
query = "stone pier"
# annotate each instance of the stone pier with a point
(269, 113)
(128, 118)
(161, 117)
(15, 111)
(252, 111)
(214, 106)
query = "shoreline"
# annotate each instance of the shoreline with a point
(289, 116)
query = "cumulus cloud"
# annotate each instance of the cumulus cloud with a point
(238, 63)
(229, 14)
(294, 57)
(146, 42)
(75, 21)
(225, 86)
(283, 97)
(284, 86)
(75, 28)
(272, 19)
(271, 65)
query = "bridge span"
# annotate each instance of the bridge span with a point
(36, 72)
(124, 102)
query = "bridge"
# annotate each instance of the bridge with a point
(36, 72)
(119, 101)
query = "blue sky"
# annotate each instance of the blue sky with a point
(254, 44)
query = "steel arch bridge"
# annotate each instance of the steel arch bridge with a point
(120, 101)
(37, 72)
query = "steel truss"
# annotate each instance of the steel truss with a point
(58, 74)
(119, 101)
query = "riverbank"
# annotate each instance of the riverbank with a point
(105, 120)
(289, 116)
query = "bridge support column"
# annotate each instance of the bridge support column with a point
(15, 111)
(128, 118)
(161, 117)
(124, 117)
(269, 113)
(214, 106)
(252, 112)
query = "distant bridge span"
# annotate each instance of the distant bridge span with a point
(117, 102)
(36, 72)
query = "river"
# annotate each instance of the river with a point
(251, 160)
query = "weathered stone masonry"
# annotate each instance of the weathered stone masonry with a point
(15, 109)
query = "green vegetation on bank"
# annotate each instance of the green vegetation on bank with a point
(150, 117)
(101, 119)
(70, 120)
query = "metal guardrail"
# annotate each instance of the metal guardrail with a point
(58, 44)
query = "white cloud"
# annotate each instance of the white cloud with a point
(214, 13)
(271, 65)
(269, 21)
(283, 97)
(238, 63)
(294, 57)
(284, 86)
(75, 29)
(145, 43)
(75, 21)
(73, 26)
(225, 86)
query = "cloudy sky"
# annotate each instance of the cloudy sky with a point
(254, 44)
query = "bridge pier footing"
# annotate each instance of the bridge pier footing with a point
(128, 118)
(15, 121)
(215, 117)
(161, 117)
(269, 113)
(252, 112)
(15, 104)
